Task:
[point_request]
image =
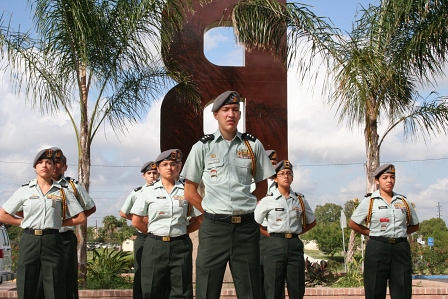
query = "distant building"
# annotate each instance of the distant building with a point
(128, 244)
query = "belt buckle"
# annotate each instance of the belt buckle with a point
(38, 232)
(236, 219)
(288, 236)
(391, 240)
(166, 239)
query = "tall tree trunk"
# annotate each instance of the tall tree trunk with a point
(351, 247)
(83, 175)
(372, 149)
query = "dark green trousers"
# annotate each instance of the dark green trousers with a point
(387, 262)
(41, 254)
(221, 243)
(138, 250)
(167, 264)
(284, 262)
(263, 247)
(70, 243)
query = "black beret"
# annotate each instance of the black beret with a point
(284, 164)
(58, 154)
(47, 153)
(271, 154)
(151, 165)
(170, 155)
(389, 168)
(228, 97)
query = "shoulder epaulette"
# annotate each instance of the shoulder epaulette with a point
(138, 188)
(71, 179)
(248, 136)
(368, 195)
(206, 138)
(27, 184)
(181, 180)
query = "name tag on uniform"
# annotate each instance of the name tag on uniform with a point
(384, 219)
(279, 209)
(34, 197)
(382, 207)
(161, 197)
(213, 161)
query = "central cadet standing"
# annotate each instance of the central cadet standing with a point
(150, 174)
(227, 161)
(167, 253)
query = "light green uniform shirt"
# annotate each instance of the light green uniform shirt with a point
(226, 172)
(283, 215)
(167, 213)
(387, 220)
(84, 199)
(130, 200)
(41, 211)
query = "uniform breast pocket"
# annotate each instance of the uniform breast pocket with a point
(215, 170)
(244, 168)
(280, 214)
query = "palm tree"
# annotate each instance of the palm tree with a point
(375, 71)
(95, 60)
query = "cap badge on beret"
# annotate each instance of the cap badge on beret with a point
(287, 164)
(49, 153)
(174, 155)
(273, 156)
(58, 154)
(153, 165)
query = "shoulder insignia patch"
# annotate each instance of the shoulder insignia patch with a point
(138, 188)
(206, 138)
(71, 179)
(299, 195)
(248, 136)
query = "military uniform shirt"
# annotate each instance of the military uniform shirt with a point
(41, 211)
(83, 198)
(130, 200)
(226, 172)
(283, 215)
(167, 213)
(387, 220)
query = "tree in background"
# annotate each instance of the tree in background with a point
(98, 62)
(328, 237)
(374, 72)
(328, 213)
(436, 228)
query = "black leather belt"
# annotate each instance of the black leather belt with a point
(66, 233)
(388, 240)
(41, 232)
(142, 235)
(286, 235)
(167, 238)
(235, 219)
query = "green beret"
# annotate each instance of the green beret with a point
(47, 153)
(228, 97)
(271, 154)
(388, 168)
(58, 154)
(151, 165)
(284, 164)
(169, 155)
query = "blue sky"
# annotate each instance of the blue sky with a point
(328, 158)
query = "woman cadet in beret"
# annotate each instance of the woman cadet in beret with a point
(287, 215)
(167, 252)
(387, 218)
(45, 206)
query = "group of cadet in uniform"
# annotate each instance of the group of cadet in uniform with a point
(249, 218)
